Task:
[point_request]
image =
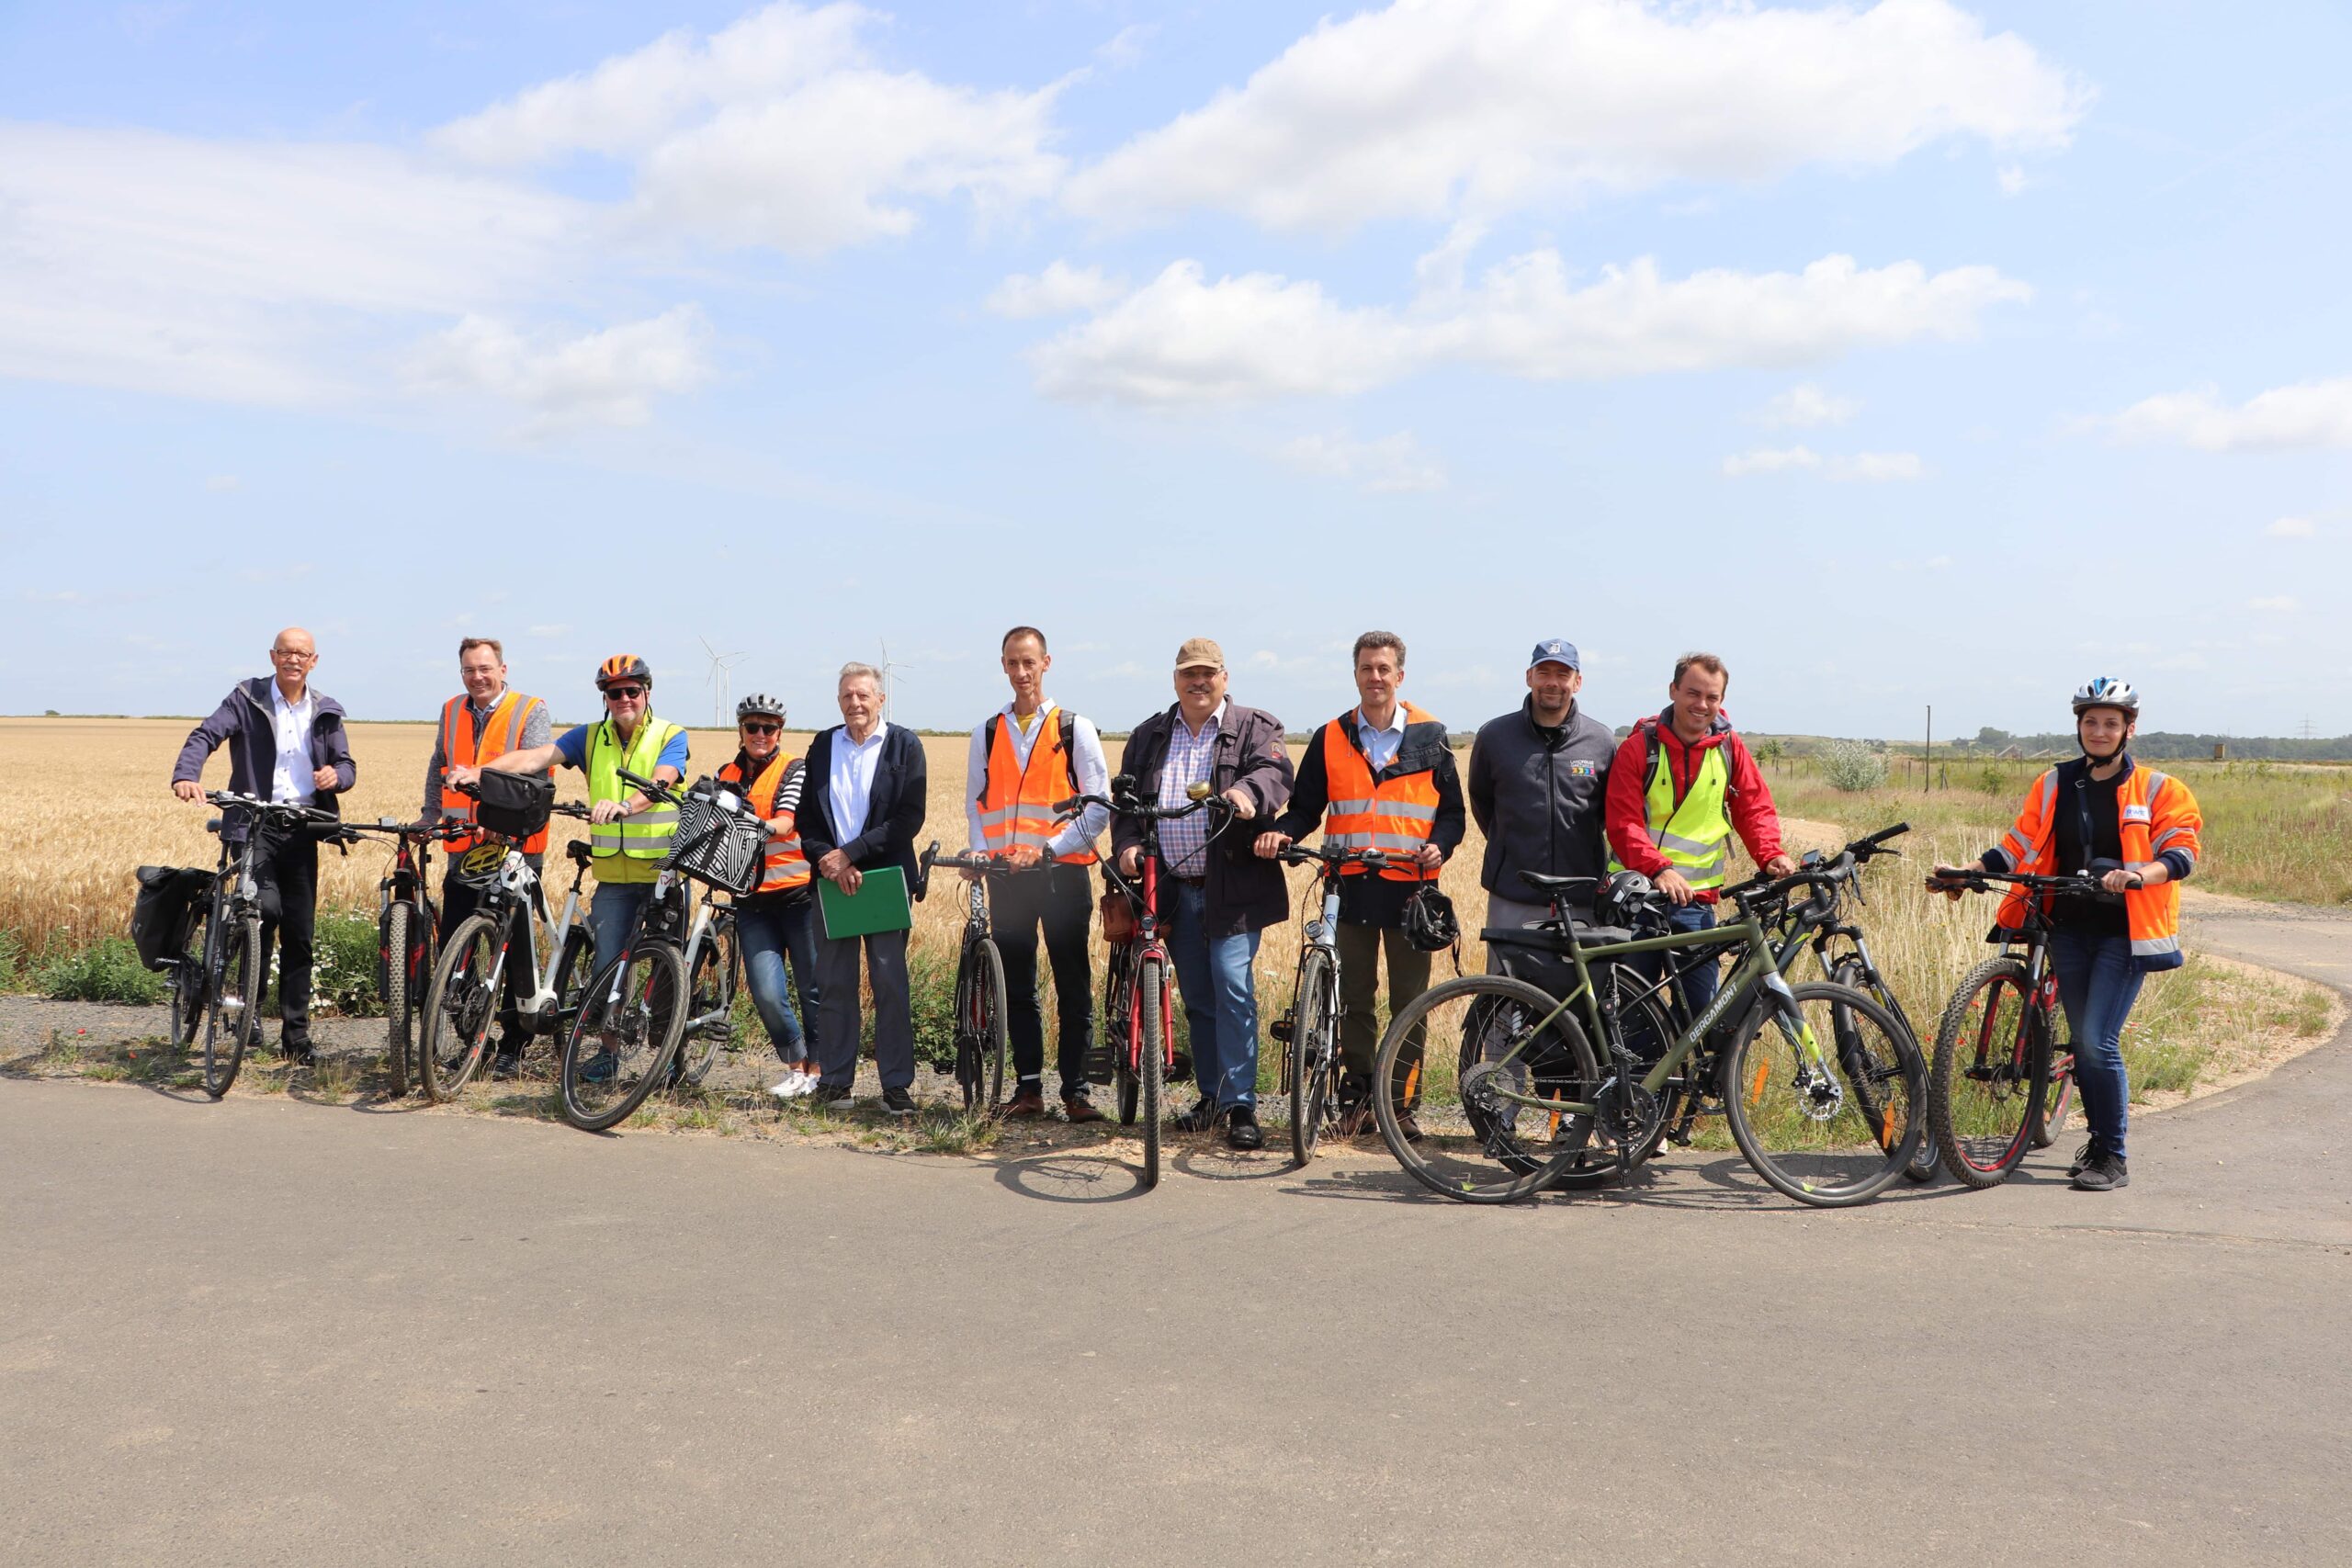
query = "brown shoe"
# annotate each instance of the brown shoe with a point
(1079, 1110)
(1358, 1120)
(1026, 1102)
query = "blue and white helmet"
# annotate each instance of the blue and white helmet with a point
(2106, 691)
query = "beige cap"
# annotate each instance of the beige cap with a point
(1199, 650)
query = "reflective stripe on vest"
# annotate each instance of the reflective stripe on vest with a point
(1017, 802)
(645, 835)
(787, 867)
(1694, 838)
(1395, 814)
(501, 733)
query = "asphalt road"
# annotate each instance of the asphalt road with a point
(263, 1331)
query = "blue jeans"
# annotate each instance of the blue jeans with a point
(2097, 983)
(614, 911)
(1699, 982)
(1220, 990)
(772, 930)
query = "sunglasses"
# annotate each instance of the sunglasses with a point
(763, 729)
(622, 693)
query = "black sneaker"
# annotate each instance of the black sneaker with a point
(1200, 1119)
(508, 1065)
(2084, 1157)
(898, 1102)
(1241, 1128)
(2104, 1174)
(297, 1053)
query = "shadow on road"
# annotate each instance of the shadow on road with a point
(1071, 1179)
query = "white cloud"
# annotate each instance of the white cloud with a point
(2308, 414)
(2277, 605)
(1392, 463)
(1938, 563)
(1770, 460)
(779, 131)
(1182, 339)
(609, 377)
(557, 630)
(1057, 291)
(1433, 108)
(220, 484)
(2013, 179)
(1875, 467)
(2291, 529)
(1805, 405)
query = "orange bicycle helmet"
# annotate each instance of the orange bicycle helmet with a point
(623, 667)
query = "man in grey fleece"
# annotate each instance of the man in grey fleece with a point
(1537, 781)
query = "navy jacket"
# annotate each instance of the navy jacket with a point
(894, 812)
(244, 722)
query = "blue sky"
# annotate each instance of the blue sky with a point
(1903, 353)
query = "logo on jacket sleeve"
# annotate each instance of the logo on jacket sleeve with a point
(2135, 814)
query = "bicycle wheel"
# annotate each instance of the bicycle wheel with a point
(1985, 1078)
(572, 972)
(1313, 1046)
(2057, 1098)
(621, 1044)
(1825, 1128)
(710, 987)
(1478, 1145)
(980, 1026)
(1850, 971)
(232, 1013)
(187, 981)
(392, 943)
(1118, 1024)
(460, 1005)
(1151, 1002)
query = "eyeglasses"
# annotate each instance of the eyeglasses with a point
(622, 693)
(297, 657)
(762, 728)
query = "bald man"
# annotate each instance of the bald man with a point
(290, 745)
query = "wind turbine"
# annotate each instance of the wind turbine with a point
(720, 663)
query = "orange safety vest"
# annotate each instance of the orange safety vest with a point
(787, 867)
(1396, 814)
(1017, 802)
(2155, 813)
(500, 735)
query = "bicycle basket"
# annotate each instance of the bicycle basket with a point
(514, 804)
(165, 909)
(720, 839)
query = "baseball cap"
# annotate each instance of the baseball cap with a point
(1554, 650)
(1199, 650)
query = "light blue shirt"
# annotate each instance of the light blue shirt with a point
(289, 777)
(1381, 746)
(849, 783)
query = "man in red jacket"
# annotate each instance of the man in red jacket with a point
(1682, 783)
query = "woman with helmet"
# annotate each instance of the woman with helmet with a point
(777, 920)
(628, 834)
(2136, 830)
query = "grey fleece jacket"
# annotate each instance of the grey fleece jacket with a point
(1537, 797)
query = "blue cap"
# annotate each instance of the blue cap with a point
(1554, 650)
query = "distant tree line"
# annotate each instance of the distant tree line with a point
(2157, 743)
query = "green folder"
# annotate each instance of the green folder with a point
(879, 904)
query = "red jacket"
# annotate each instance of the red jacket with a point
(1626, 818)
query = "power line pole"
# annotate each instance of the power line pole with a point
(1927, 757)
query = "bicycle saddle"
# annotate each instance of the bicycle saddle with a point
(1542, 883)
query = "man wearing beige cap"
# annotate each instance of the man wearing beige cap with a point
(1215, 895)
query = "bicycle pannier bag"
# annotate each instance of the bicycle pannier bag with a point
(1118, 917)
(166, 912)
(514, 804)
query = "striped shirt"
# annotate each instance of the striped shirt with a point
(1184, 842)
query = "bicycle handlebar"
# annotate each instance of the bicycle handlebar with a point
(651, 789)
(1126, 803)
(1977, 877)
(284, 810)
(1298, 854)
(988, 862)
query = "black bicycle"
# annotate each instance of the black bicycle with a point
(979, 980)
(407, 927)
(1309, 1031)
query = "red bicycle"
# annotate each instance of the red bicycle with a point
(1137, 1001)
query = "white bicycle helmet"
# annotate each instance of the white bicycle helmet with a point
(2106, 691)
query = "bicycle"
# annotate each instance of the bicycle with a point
(406, 922)
(1138, 998)
(469, 983)
(980, 980)
(218, 975)
(2000, 1082)
(673, 979)
(1309, 1031)
(1826, 1127)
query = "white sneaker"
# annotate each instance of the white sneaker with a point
(807, 1088)
(793, 1084)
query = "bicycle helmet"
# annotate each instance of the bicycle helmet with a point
(2107, 692)
(623, 667)
(1430, 924)
(758, 705)
(1622, 898)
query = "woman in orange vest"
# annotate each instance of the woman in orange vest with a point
(2137, 830)
(776, 921)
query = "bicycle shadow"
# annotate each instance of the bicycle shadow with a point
(1214, 1162)
(1069, 1178)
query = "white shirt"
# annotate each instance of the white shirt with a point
(849, 783)
(289, 780)
(1087, 767)
(1381, 746)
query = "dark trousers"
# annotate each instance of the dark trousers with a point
(838, 1017)
(1058, 900)
(1360, 950)
(457, 901)
(1699, 976)
(285, 871)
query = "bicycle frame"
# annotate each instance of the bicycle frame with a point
(1127, 959)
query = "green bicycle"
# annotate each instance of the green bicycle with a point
(1823, 1088)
